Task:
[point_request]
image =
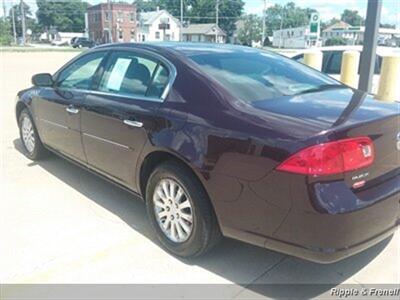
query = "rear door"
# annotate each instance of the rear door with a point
(118, 117)
(58, 108)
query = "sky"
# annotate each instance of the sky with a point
(328, 9)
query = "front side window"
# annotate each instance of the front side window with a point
(256, 75)
(131, 74)
(79, 74)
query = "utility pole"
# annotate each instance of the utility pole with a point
(263, 23)
(216, 20)
(181, 34)
(23, 22)
(4, 10)
(280, 28)
(110, 22)
(368, 55)
(13, 22)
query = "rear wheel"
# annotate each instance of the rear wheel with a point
(33, 147)
(180, 211)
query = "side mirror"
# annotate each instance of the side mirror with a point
(42, 79)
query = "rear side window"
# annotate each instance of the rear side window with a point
(79, 74)
(130, 74)
(257, 76)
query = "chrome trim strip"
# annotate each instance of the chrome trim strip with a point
(124, 96)
(53, 123)
(105, 140)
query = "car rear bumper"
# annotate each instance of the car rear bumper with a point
(318, 255)
(346, 226)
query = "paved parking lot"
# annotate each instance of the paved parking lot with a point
(61, 224)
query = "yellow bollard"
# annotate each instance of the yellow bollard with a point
(313, 59)
(389, 79)
(349, 68)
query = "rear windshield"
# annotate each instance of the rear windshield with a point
(257, 76)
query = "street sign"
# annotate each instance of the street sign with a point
(314, 24)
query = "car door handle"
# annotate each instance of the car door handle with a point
(133, 123)
(72, 110)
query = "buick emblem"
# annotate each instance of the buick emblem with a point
(398, 141)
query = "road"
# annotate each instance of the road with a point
(61, 224)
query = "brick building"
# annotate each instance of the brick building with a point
(116, 20)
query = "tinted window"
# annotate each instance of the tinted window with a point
(254, 76)
(335, 63)
(79, 74)
(299, 58)
(160, 81)
(378, 63)
(134, 75)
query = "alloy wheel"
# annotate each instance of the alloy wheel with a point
(28, 134)
(173, 210)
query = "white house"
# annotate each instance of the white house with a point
(354, 35)
(299, 37)
(203, 33)
(157, 25)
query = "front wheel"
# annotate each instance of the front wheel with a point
(33, 147)
(180, 211)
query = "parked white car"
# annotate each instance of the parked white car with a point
(332, 60)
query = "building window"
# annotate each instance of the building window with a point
(107, 16)
(157, 35)
(120, 34)
(132, 17)
(143, 38)
(120, 16)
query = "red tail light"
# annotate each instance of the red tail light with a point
(331, 158)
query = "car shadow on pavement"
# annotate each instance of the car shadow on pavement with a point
(259, 270)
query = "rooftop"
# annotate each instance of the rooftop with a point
(147, 18)
(206, 29)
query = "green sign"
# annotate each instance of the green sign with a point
(314, 27)
(314, 23)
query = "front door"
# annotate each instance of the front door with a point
(118, 117)
(58, 108)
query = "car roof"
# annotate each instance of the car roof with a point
(186, 48)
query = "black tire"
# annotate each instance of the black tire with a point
(39, 151)
(205, 232)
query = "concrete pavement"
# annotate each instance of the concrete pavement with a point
(61, 224)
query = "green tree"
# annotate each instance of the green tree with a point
(286, 16)
(251, 30)
(146, 5)
(387, 25)
(30, 22)
(352, 17)
(5, 33)
(325, 25)
(172, 6)
(203, 11)
(63, 15)
(335, 41)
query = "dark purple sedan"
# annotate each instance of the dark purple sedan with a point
(224, 140)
